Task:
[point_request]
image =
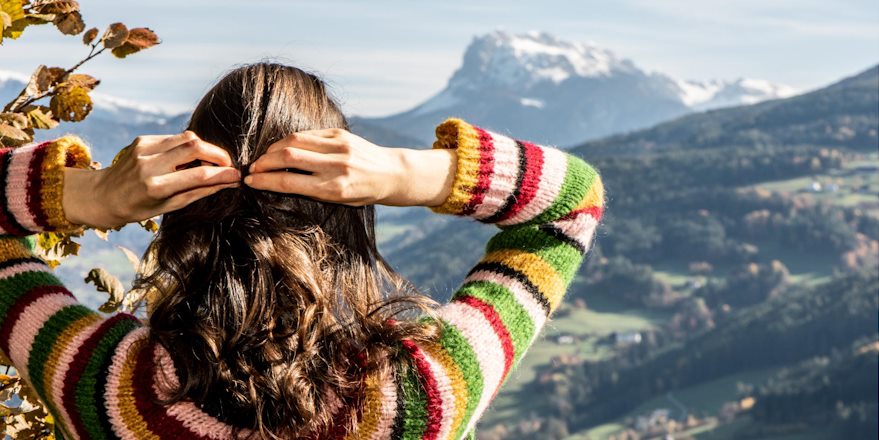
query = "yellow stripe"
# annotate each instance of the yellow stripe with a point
(595, 196)
(372, 410)
(538, 271)
(459, 387)
(455, 133)
(127, 408)
(52, 170)
(13, 249)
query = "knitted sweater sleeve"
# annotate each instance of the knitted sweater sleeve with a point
(547, 204)
(59, 346)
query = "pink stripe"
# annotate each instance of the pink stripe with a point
(17, 184)
(447, 395)
(58, 376)
(523, 297)
(25, 329)
(121, 357)
(580, 228)
(503, 180)
(485, 344)
(388, 411)
(552, 178)
(192, 417)
(30, 266)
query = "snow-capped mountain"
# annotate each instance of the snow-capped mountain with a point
(560, 92)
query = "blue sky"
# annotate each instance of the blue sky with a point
(386, 56)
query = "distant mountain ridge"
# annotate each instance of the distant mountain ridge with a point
(561, 92)
(844, 113)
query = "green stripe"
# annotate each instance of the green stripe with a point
(563, 257)
(18, 285)
(86, 387)
(579, 178)
(45, 341)
(415, 405)
(462, 354)
(513, 316)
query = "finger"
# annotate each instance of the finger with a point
(291, 157)
(285, 182)
(155, 144)
(185, 198)
(308, 140)
(167, 185)
(194, 150)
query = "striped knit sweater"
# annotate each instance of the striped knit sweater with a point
(100, 375)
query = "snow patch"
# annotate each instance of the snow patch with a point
(529, 102)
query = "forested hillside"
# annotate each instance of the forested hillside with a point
(747, 239)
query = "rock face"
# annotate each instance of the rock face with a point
(560, 92)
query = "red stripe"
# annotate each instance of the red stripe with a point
(34, 178)
(594, 211)
(156, 416)
(530, 181)
(486, 167)
(431, 388)
(77, 367)
(497, 324)
(18, 307)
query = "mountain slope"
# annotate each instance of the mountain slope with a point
(559, 92)
(842, 114)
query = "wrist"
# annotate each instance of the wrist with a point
(428, 176)
(80, 199)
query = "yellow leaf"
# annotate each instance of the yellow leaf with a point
(71, 103)
(87, 82)
(12, 137)
(40, 118)
(14, 22)
(105, 282)
(150, 225)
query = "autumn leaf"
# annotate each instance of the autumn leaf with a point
(87, 82)
(89, 36)
(150, 225)
(71, 103)
(132, 258)
(104, 282)
(115, 36)
(12, 19)
(138, 40)
(70, 24)
(46, 77)
(54, 6)
(40, 117)
(13, 137)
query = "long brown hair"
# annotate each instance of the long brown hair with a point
(273, 306)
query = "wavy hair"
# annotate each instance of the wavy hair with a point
(275, 307)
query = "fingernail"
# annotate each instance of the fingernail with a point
(248, 180)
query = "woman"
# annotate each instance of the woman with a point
(271, 313)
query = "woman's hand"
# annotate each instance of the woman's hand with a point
(341, 167)
(154, 175)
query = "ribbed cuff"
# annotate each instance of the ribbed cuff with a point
(471, 169)
(33, 185)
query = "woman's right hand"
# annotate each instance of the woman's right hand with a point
(152, 176)
(340, 167)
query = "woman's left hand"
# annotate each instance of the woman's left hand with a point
(154, 175)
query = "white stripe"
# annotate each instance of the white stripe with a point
(444, 386)
(485, 344)
(29, 323)
(502, 183)
(580, 228)
(552, 178)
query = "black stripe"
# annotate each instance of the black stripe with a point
(519, 276)
(561, 236)
(397, 429)
(19, 229)
(15, 261)
(511, 200)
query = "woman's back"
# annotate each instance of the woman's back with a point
(274, 314)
